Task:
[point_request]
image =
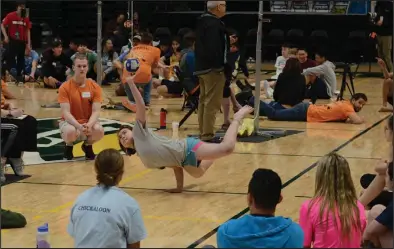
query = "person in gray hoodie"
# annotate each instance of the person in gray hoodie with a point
(261, 228)
(322, 81)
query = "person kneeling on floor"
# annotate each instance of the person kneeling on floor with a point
(261, 228)
(80, 101)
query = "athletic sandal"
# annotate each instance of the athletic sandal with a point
(17, 165)
(129, 106)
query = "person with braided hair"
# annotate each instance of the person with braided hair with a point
(105, 216)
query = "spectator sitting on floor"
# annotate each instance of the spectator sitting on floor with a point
(305, 62)
(108, 57)
(92, 61)
(126, 48)
(269, 85)
(333, 218)
(261, 228)
(321, 79)
(281, 61)
(169, 86)
(387, 89)
(72, 48)
(376, 189)
(24, 130)
(54, 65)
(380, 220)
(31, 73)
(340, 111)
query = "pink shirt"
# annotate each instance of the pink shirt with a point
(317, 235)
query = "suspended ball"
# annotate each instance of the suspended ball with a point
(132, 65)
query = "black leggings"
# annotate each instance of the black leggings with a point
(8, 136)
(16, 48)
(384, 198)
(26, 139)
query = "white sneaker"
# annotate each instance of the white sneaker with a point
(17, 165)
(269, 92)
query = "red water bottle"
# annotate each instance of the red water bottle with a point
(163, 118)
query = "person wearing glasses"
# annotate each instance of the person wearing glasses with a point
(211, 48)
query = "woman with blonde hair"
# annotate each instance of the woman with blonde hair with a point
(333, 218)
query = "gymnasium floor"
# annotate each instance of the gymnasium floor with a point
(190, 218)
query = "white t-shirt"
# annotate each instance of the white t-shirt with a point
(105, 218)
(279, 65)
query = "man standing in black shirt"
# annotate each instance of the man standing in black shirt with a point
(211, 47)
(54, 65)
(384, 31)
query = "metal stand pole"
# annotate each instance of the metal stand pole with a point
(258, 68)
(99, 38)
(132, 18)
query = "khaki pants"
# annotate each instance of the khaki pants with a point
(211, 95)
(385, 44)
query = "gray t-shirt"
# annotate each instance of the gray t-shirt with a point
(157, 151)
(105, 218)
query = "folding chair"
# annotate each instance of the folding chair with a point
(191, 91)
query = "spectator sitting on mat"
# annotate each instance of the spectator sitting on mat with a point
(376, 189)
(92, 61)
(321, 79)
(345, 110)
(305, 62)
(126, 48)
(333, 218)
(379, 230)
(108, 56)
(261, 228)
(387, 88)
(54, 65)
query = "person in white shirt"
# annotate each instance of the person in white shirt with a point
(105, 216)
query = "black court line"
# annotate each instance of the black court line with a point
(131, 188)
(213, 231)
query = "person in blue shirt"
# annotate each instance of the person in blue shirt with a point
(30, 71)
(31, 62)
(261, 228)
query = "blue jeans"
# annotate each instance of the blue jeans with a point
(146, 96)
(296, 113)
(273, 104)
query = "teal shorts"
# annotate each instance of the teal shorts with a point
(192, 145)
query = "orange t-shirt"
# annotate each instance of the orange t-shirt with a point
(3, 87)
(80, 99)
(148, 56)
(338, 111)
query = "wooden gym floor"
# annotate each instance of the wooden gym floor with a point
(180, 220)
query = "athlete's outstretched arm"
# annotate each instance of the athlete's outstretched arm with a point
(139, 101)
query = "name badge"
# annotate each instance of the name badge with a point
(86, 95)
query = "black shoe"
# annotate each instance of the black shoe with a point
(68, 152)
(244, 97)
(88, 149)
(214, 140)
(240, 85)
(249, 85)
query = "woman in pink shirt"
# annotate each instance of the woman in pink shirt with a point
(333, 218)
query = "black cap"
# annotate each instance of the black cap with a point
(56, 43)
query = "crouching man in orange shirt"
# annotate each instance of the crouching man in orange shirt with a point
(80, 101)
